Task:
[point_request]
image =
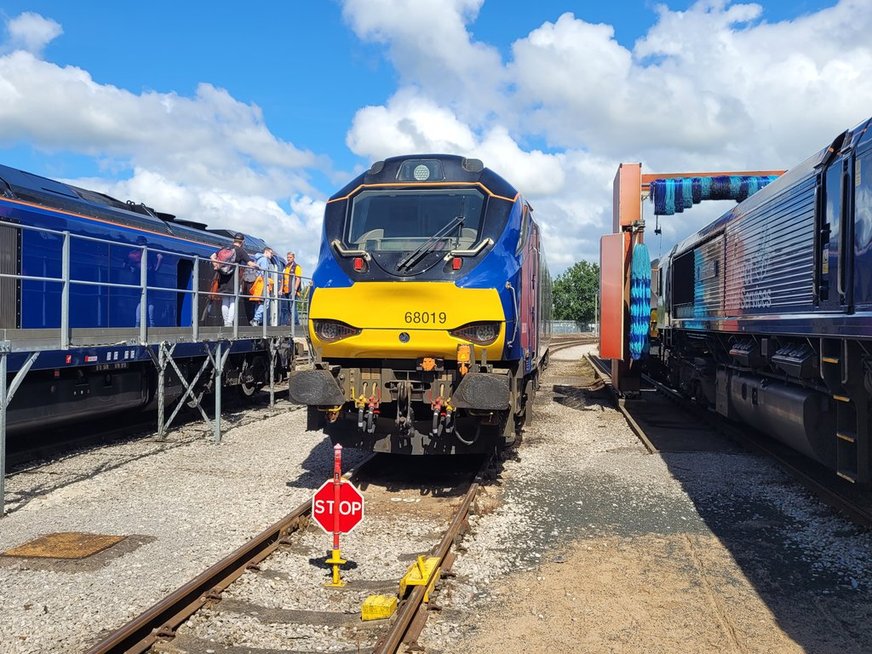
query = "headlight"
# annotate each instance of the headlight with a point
(481, 333)
(333, 330)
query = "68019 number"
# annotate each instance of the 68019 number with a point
(425, 317)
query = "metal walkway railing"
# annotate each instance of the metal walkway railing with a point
(23, 349)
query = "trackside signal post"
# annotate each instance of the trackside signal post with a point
(337, 506)
(629, 188)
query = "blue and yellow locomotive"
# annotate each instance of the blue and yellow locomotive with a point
(429, 310)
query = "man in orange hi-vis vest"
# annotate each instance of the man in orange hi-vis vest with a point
(291, 284)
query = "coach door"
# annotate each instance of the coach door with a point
(834, 283)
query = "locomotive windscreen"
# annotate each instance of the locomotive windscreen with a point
(397, 221)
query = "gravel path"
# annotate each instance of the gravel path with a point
(598, 546)
(585, 543)
(184, 500)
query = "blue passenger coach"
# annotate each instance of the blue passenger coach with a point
(766, 314)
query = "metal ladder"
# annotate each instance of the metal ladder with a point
(841, 370)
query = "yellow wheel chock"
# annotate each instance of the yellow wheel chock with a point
(423, 572)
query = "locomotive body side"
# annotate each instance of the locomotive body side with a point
(42, 224)
(766, 314)
(425, 310)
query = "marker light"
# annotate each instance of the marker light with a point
(359, 264)
(456, 263)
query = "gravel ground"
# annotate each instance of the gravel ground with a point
(184, 500)
(585, 543)
(597, 546)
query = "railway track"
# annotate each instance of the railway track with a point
(660, 400)
(563, 343)
(30, 450)
(167, 625)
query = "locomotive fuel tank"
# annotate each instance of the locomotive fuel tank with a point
(801, 418)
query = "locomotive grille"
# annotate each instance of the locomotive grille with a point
(8, 286)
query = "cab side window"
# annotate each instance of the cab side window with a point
(525, 227)
(863, 228)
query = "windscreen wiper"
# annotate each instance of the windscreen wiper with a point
(427, 246)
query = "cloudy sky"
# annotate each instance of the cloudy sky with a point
(250, 118)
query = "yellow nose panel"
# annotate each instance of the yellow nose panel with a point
(422, 311)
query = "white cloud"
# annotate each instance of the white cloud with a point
(429, 45)
(296, 230)
(408, 123)
(715, 87)
(31, 32)
(208, 139)
(207, 157)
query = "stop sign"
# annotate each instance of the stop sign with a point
(350, 507)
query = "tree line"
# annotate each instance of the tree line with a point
(574, 292)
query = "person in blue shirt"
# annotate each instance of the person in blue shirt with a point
(261, 289)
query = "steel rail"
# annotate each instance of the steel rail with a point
(413, 608)
(163, 618)
(606, 378)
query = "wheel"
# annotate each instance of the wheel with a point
(249, 390)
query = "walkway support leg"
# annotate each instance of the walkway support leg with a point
(272, 371)
(161, 389)
(218, 370)
(6, 395)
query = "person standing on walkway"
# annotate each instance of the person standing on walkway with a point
(262, 288)
(291, 283)
(226, 262)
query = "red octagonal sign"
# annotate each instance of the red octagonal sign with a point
(350, 507)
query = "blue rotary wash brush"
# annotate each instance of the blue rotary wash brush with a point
(640, 301)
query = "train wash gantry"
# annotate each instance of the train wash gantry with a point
(624, 316)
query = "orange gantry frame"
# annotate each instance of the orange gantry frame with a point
(629, 189)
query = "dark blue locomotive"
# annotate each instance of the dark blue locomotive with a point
(429, 310)
(766, 314)
(75, 288)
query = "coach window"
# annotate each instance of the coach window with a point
(863, 228)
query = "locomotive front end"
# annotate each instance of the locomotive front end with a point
(411, 317)
(408, 321)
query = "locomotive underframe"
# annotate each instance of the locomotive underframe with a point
(51, 397)
(392, 406)
(810, 393)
